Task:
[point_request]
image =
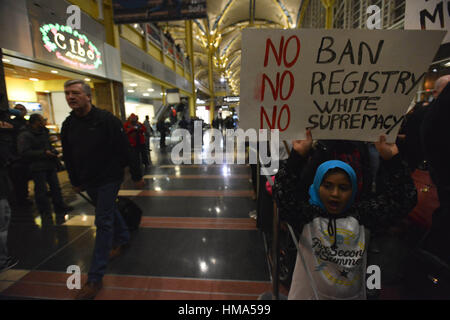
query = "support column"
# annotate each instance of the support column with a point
(328, 4)
(190, 52)
(3, 94)
(211, 84)
(303, 8)
(112, 95)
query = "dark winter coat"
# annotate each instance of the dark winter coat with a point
(95, 148)
(32, 145)
(435, 136)
(396, 200)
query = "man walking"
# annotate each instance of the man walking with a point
(95, 152)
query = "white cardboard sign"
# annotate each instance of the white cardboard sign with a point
(428, 15)
(344, 84)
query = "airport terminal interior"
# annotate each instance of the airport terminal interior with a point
(210, 230)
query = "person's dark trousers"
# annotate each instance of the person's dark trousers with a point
(111, 228)
(144, 155)
(20, 175)
(41, 178)
(135, 162)
(162, 140)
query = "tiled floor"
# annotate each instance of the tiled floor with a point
(196, 240)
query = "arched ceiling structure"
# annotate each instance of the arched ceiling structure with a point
(220, 34)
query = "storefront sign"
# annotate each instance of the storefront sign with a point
(71, 47)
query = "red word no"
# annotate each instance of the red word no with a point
(276, 121)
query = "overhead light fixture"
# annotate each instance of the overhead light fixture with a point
(129, 90)
(435, 70)
(34, 79)
(6, 60)
(87, 79)
(136, 25)
(133, 84)
(447, 64)
(54, 71)
(146, 94)
(150, 89)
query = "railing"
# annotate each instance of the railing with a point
(159, 40)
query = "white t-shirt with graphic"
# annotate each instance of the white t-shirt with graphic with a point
(336, 273)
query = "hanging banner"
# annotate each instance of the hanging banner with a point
(343, 84)
(135, 11)
(428, 15)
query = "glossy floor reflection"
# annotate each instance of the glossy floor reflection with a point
(196, 239)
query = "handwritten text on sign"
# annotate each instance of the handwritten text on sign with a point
(351, 85)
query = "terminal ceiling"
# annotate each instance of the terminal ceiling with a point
(221, 34)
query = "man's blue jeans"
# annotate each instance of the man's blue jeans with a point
(111, 228)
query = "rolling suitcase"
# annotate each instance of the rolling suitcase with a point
(129, 210)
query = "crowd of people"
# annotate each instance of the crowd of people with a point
(329, 191)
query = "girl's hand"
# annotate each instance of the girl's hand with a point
(386, 150)
(302, 147)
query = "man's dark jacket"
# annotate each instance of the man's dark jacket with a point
(95, 148)
(32, 145)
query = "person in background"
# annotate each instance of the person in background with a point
(148, 133)
(162, 128)
(20, 168)
(136, 135)
(6, 136)
(95, 152)
(435, 138)
(34, 147)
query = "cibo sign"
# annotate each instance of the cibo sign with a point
(71, 46)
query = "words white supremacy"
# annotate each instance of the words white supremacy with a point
(357, 92)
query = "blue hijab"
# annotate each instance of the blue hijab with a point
(320, 173)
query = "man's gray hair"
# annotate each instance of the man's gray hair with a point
(84, 85)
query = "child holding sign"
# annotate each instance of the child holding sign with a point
(331, 262)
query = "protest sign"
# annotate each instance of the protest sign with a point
(428, 15)
(344, 84)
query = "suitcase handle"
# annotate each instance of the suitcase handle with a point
(87, 198)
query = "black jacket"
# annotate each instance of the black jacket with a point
(396, 200)
(5, 160)
(411, 148)
(95, 148)
(32, 145)
(435, 134)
